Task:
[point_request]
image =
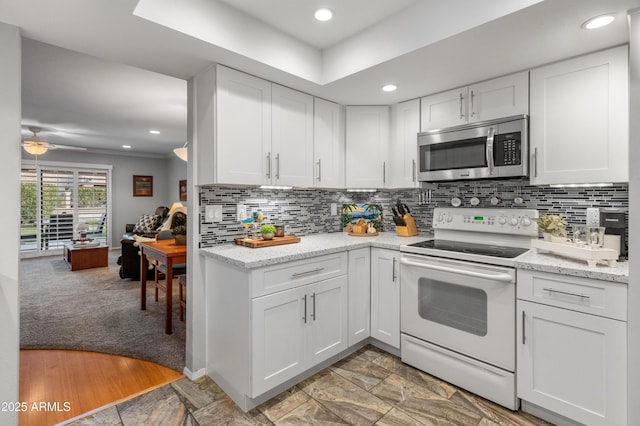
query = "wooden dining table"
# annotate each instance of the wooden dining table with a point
(168, 253)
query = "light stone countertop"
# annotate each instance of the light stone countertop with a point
(321, 244)
(547, 262)
(309, 246)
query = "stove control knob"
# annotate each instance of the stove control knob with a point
(449, 218)
(502, 220)
(513, 221)
(525, 221)
(440, 217)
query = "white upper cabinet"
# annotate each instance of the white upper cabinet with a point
(579, 131)
(497, 98)
(403, 150)
(328, 144)
(243, 139)
(367, 143)
(500, 97)
(264, 132)
(292, 137)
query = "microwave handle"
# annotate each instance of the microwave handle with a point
(489, 151)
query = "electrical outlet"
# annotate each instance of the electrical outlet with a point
(213, 213)
(241, 212)
(593, 216)
(334, 209)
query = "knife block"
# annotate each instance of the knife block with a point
(410, 230)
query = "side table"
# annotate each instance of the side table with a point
(85, 257)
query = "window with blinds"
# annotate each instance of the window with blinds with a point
(55, 200)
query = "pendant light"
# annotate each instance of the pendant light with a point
(181, 152)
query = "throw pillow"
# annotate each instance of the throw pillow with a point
(146, 224)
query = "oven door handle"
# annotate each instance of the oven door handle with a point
(499, 277)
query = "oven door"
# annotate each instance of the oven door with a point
(465, 307)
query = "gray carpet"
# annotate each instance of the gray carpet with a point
(94, 310)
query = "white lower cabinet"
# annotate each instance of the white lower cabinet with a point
(385, 296)
(359, 295)
(571, 362)
(294, 330)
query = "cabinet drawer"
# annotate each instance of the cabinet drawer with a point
(293, 274)
(603, 298)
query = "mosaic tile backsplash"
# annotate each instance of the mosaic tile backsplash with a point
(308, 211)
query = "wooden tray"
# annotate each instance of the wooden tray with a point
(366, 234)
(247, 242)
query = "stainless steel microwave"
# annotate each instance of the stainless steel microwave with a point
(488, 149)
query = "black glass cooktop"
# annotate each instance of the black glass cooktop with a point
(472, 248)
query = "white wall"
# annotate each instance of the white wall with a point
(633, 339)
(126, 208)
(10, 116)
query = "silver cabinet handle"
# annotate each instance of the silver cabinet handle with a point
(269, 166)
(384, 172)
(305, 308)
(553, 290)
(319, 170)
(312, 271)
(414, 170)
(278, 166)
(489, 153)
(461, 114)
(393, 268)
(523, 327)
(535, 162)
(313, 301)
(473, 113)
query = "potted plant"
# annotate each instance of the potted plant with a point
(180, 235)
(267, 231)
(552, 226)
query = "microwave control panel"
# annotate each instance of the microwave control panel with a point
(507, 148)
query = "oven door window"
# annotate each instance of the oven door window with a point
(460, 307)
(459, 154)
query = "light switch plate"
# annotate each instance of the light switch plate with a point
(593, 216)
(213, 213)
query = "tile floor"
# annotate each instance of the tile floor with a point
(370, 387)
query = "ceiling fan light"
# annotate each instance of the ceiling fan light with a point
(35, 148)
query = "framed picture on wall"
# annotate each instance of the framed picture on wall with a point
(142, 186)
(183, 190)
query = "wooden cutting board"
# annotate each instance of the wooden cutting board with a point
(247, 242)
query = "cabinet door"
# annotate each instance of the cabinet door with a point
(359, 295)
(444, 109)
(500, 97)
(367, 142)
(573, 364)
(403, 150)
(244, 128)
(579, 131)
(385, 296)
(327, 318)
(292, 137)
(279, 349)
(328, 144)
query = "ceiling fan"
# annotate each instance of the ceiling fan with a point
(36, 145)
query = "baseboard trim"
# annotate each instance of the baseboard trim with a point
(194, 375)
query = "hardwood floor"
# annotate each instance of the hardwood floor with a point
(60, 385)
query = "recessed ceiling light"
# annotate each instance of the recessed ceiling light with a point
(323, 14)
(126, 146)
(154, 132)
(390, 87)
(598, 22)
